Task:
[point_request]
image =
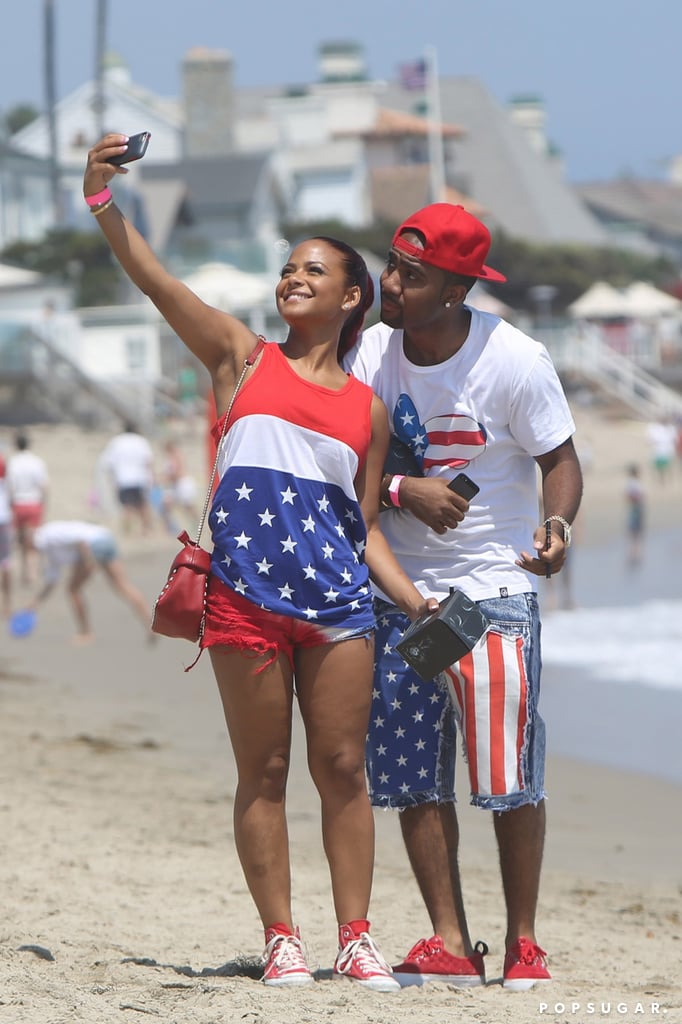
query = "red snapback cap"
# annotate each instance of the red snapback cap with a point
(454, 240)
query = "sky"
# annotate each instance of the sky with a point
(608, 71)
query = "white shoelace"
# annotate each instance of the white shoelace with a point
(363, 951)
(289, 956)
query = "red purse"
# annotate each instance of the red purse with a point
(180, 608)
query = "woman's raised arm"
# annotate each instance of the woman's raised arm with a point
(219, 340)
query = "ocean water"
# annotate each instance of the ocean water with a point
(639, 645)
(612, 677)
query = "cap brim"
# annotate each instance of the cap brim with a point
(488, 274)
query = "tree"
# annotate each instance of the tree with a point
(67, 255)
(571, 269)
(18, 117)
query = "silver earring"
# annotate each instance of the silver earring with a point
(345, 306)
(447, 305)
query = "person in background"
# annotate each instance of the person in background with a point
(634, 497)
(5, 549)
(178, 490)
(27, 485)
(82, 548)
(128, 458)
(466, 391)
(295, 531)
(188, 395)
(662, 435)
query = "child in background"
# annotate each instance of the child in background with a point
(634, 496)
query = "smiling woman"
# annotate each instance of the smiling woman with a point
(295, 530)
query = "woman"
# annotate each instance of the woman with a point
(295, 531)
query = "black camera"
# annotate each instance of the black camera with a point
(439, 639)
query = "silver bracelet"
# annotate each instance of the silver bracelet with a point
(566, 527)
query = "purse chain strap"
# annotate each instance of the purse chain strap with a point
(249, 361)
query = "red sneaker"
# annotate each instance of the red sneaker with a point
(284, 959)
(525, 965)
(429, 960)
(361, 962)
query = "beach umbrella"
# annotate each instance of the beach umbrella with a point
(601, 301)
(644, 300)
(228, 288)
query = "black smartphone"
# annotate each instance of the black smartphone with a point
(464, 485)
(137, 147)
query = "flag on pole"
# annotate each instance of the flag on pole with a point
(413, 74)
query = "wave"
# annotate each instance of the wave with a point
(638, 645)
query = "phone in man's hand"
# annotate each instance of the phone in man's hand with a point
(465, 486)
(137, 147)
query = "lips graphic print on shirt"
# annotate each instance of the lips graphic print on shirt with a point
(449, 440)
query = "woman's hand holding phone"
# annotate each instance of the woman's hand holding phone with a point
(136, 149)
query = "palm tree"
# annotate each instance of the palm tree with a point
(99, 102)
(50, 102)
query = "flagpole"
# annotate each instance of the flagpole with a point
(436, 161)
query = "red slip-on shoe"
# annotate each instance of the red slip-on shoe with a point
(525, 965)
(429, 960)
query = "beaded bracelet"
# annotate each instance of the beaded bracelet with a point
(101, 209)
(99, 198)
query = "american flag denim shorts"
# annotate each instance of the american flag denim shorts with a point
(491, 694)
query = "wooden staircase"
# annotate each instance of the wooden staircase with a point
(38, 383)
(582, 355)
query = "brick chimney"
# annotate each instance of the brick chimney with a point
(209, 102)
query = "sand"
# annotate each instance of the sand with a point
(123, 897)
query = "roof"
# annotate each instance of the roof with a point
(162, 201)
(399, 191)
(653, 204)
(522, 188)
(390, 123)
(17, 277)
(225, 181)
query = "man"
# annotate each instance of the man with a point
(82, 547)
(27, 485)
(467, 391)
(129, 459)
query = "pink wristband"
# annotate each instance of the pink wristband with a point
(394, 490)
(100, 197)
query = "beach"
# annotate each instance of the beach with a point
(123, 897)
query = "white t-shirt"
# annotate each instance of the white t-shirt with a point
(58, 541)
(26, 478)
(662, 437)
(488, 410)
(129, 459)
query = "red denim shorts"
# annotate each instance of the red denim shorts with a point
(233, 621)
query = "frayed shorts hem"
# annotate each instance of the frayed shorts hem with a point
(506, 803)
(398, 802)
